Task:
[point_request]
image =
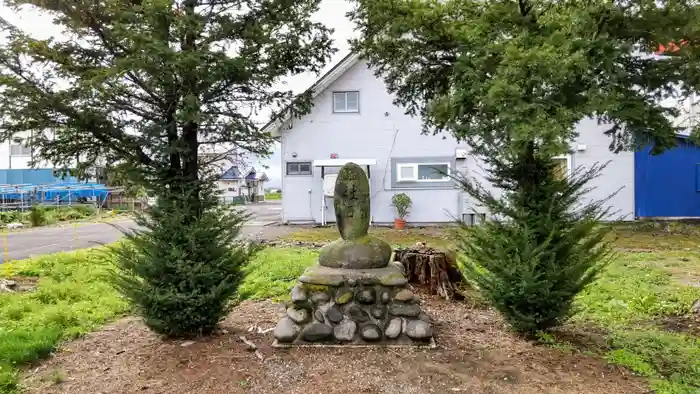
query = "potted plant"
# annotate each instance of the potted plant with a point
(402, 202)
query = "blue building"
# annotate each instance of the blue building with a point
(668, 185)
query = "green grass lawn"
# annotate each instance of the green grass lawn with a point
(273, 273)
(629, 304)
(273, 196)
(71, 298)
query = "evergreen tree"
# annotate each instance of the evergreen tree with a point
(543, 245)
(150, 85)
(512, 79)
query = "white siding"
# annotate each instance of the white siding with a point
(382, 131)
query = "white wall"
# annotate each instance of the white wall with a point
(382, 131)
(379, 131)
(228, 194)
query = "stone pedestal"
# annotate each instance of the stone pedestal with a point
(339, 306)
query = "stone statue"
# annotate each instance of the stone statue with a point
(354, 295)
(355, 248)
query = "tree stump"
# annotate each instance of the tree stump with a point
(432, 268)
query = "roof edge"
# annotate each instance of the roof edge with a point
(273, 127)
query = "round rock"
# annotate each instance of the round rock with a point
(418, 329)
(316, 332)
(286, 330)
(393, 329)
(298, 315)
(345, 331)
(424, 316)
(298, 294)
(356, 313)
(320, 298)
(377, 311)
(365, 296)
(363, 253)
(318, 315)
(334, 314)
(408, 310)
(370, 332)
(385, 297)
(404, 295)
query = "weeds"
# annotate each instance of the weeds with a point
(72, 298)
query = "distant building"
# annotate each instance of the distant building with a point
(249, 186)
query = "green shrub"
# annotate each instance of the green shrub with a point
(37, 216)
(85, 211)
(542, 248)
(402, 202)
(10, 217)
(182, 271)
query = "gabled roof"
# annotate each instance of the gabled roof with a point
(263, 178)
(231, 174)
(250, 176)
(317, 88)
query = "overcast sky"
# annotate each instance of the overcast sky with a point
(332, 13)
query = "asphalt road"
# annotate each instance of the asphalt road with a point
(22, 244)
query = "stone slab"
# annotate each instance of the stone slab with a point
(431, 344)
(391, 275)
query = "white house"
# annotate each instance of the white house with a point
(248, 186)
(354, 119)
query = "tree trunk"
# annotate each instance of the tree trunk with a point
(432, 268)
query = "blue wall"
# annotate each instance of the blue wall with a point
(33, 176)
(668, 185)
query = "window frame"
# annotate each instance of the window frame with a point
(345, 93)
(400, 179)
(24, 149)
(568, 158)
(298, 172)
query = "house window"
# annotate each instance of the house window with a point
(20, 150)
(563, 169)
(423, 172)
(299, 168)
(232, 189)
(346, 101)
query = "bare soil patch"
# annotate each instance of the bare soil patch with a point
(475, 355)
(687, 324)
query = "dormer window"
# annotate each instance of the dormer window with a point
(344, 102)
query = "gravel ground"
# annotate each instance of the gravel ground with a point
(475, 355)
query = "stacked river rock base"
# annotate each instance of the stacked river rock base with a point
(354, 296)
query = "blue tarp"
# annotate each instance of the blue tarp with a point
(62, 192)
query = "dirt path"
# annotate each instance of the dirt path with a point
(475, 355)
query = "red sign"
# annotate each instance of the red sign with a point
(334, 155)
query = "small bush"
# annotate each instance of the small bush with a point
(182, 272)
(544, 245)
(10, 217)
(402, 202)
(37, 216)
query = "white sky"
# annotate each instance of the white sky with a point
(331, 13)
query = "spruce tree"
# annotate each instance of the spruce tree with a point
(149, 86)
(512, 79)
